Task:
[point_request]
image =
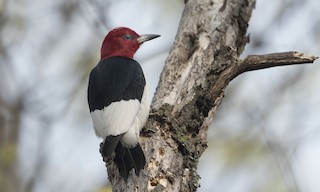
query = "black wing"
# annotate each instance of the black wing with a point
(115, 79)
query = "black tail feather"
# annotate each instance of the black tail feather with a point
(123, 166)
(110, 144)
(128, 158)
(138, 159)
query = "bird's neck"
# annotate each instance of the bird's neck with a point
(105, 55)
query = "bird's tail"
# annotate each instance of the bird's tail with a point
(128, 158)
(110, 144)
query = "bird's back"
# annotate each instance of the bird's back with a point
(115, 79)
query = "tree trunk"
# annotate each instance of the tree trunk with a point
(203, 60)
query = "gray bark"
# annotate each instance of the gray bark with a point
(203, 60)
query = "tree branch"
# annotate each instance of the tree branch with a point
(255, 62)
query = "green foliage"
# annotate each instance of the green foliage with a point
(7, 155)
(235, 151)
(104, 189)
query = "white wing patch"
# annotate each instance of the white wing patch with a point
(131, 138)
(122, 117)
(116, 118)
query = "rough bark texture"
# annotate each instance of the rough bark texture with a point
(203, 60)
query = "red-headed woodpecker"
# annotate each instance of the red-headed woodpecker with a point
(118, 99)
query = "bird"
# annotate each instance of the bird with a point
(118, 99)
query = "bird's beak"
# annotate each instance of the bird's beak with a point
(146, 37)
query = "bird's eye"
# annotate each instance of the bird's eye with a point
(127, 37)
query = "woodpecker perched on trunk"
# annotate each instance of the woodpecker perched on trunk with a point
(118, 99)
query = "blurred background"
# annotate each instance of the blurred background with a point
(265, 136)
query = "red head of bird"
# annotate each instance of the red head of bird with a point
(123, 42)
